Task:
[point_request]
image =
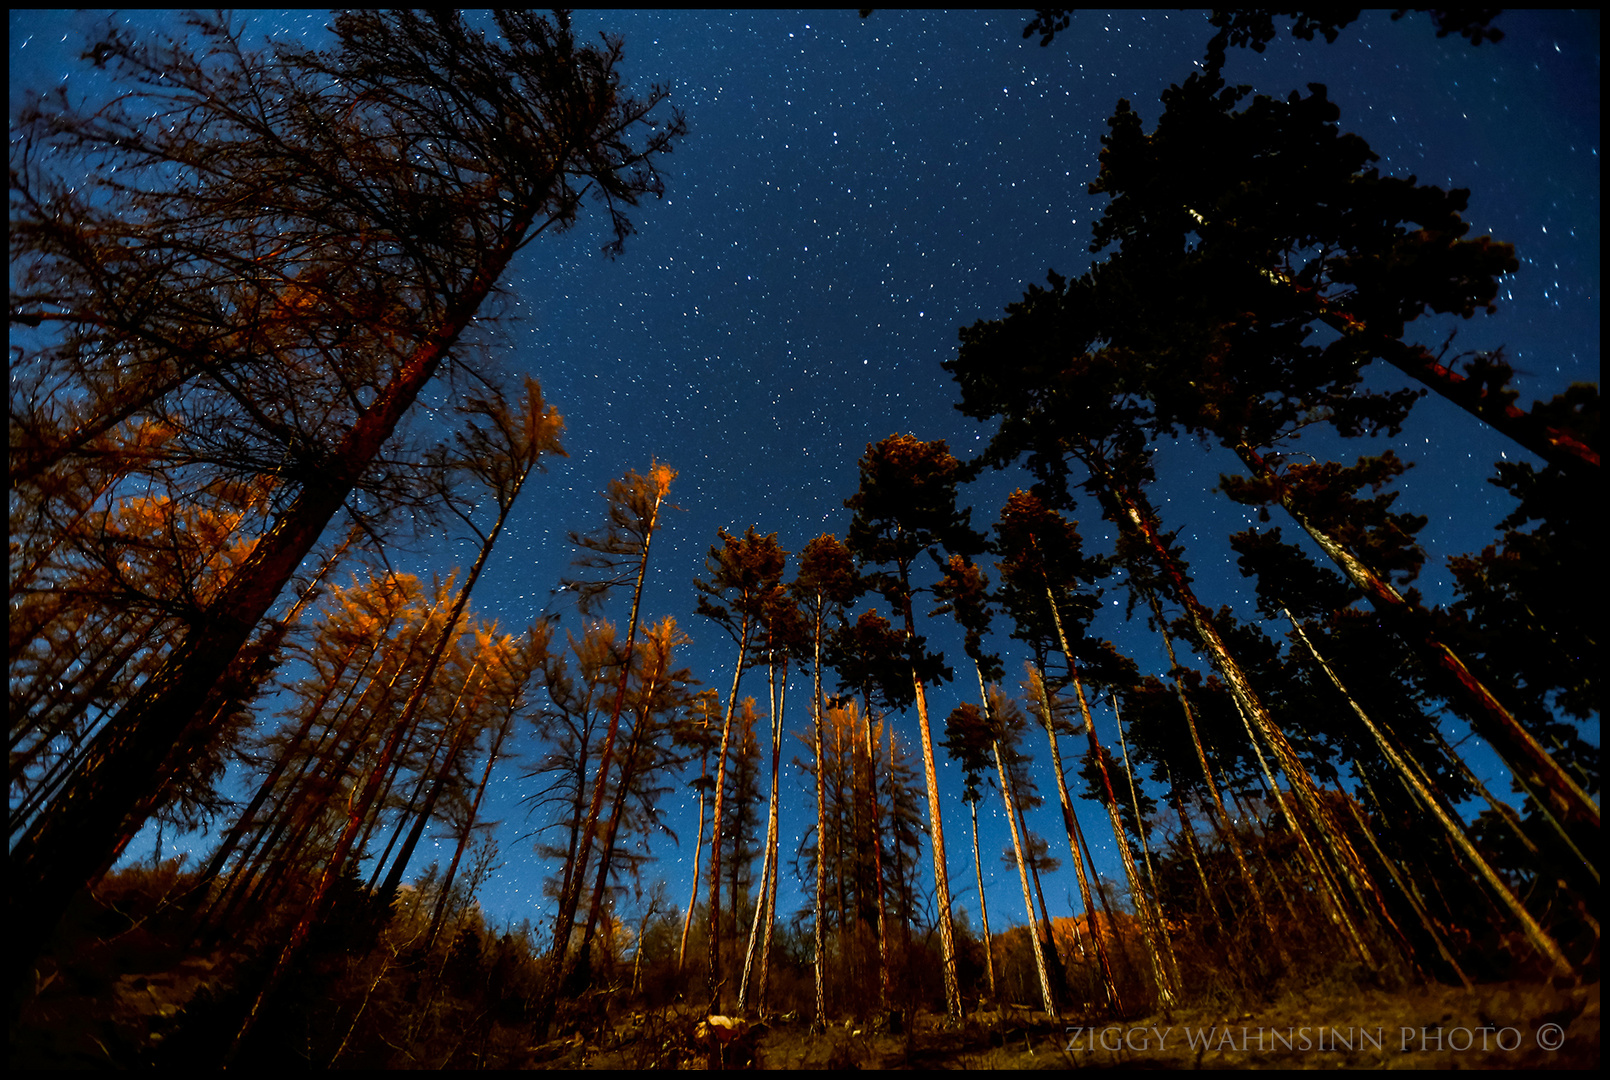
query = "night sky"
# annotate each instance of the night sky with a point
(851, 192)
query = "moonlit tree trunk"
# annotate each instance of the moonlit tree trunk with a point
(1070, 822)
(983, 905)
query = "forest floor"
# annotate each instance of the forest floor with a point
(1495, 1026)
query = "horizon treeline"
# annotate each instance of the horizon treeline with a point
(232, 289)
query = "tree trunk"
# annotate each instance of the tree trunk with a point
(1070, 823)
(1160, 975)
(1126, 506)
(983, 907)
(361, 806)
(439, 913)
(1541, 438)
(771, 843)
(819, 1022)
(569, 898)
(936, 828)
(1154, 903)
(438, 784)
(698, 843)
(1046, 996)
(713, 975)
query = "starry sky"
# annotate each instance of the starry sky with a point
(854, 190)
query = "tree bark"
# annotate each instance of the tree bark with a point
(983, 906)
(1070, 823)
(1046, 997)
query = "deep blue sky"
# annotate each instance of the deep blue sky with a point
(854, 190)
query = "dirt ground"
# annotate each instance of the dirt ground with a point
(1499, 1026)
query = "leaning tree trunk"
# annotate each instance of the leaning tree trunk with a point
(1023, 879)
(439, 913)
(438, 784)
(564, 919)
(1155, 904)
(713, 973)
(1160, 975)
(1552, 444)
(359, 809)
(759, 947)
(936, 827)
(1070, 823)
(698, 843)
(771, 844)
(983, 905)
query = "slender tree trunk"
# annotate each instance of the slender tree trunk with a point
(772, 843)
(1160, 977)
(629, 763)
(936, 827)
(1403, 879)
(243, 822)
(1046, 997)
(439, 913)
(1127, 507)
(713, 976)
(1194, 849)
(1227, 828)
(361, 806)
(437, 784)
(698, 843)
(983, 906)
(884, 974)
(761, 926)
(1154, 903)
(1070, 823)
(819, 1021)
(570, 897)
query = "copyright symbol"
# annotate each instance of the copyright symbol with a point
(1551, 1036)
